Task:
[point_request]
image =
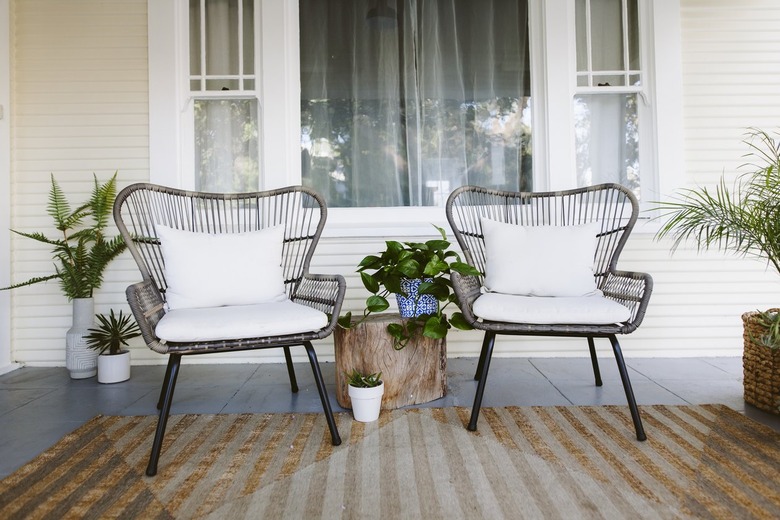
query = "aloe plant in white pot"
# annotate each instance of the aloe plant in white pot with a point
(112, 333)
(744, 220)
(365, 392)
(81, 253)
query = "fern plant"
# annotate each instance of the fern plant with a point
(744, 220)
(82, 251)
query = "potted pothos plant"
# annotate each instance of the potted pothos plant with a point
(81, 251)
(112, 333)
(418, 273)
(743, 219)
(365, 393)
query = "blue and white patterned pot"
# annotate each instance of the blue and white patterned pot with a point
(415, 304)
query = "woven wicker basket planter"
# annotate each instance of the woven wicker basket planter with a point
(761, 367)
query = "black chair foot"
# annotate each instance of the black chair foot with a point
(594, 361)
(169, 385)
(640, 431)
(290, 370)
(487, 354)
(315, 367)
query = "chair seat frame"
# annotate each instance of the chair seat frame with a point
(140, 207)
(615, 207)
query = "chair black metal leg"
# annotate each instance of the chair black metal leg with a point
(481, 357)
(164, 388)
(595, 361)
(640, 431)
(315, 368)
(290, 370)
(168, 387)
(487, 353)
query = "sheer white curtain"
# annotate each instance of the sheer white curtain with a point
(404, 101)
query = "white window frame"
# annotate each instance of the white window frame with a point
(5, 186)
(553, 66)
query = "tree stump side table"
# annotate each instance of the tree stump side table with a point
(414, 375)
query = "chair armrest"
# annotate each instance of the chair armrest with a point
(631, 289)
(467, 289)
(324, 292)
(148, 308)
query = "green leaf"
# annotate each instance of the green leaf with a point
(437, 244)
(436, 266)
(395, 329)
(441, 231)
(369, 282)
(345, 321)
(409, 268)
(439, 289)
(369, 262)
(393, 284)
(459, 321)
(435, 327)
(376, 304)
(394, 248)
(464, 268)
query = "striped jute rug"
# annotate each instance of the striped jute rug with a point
(531, 462)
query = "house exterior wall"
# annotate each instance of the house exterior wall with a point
(80, 104)
(80, 101)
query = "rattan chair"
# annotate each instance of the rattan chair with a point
(142, 210)
(613, 208)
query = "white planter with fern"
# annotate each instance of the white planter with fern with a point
(81, 252)
(80, 360)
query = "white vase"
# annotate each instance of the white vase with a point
(81, 361)
(113, 368)
(366, 402)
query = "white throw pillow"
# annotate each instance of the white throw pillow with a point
(540, 260)
(211, 270)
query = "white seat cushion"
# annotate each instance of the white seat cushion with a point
(583, 310)
(239, 321)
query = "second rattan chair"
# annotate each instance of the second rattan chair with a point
(225, 273)
(550, 269)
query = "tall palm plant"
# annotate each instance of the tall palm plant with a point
(82, 251)
(745, 219)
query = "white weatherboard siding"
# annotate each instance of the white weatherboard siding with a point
(79, 94)
(80, 101)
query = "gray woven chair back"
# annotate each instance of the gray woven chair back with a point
(612, 206)
(139, 208)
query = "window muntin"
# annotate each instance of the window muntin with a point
(222, 87)
(401, 112)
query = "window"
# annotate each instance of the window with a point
(403, 101)
(520, 94)
(222, 89)
(609, 84)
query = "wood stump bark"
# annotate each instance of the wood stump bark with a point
(414, 375)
